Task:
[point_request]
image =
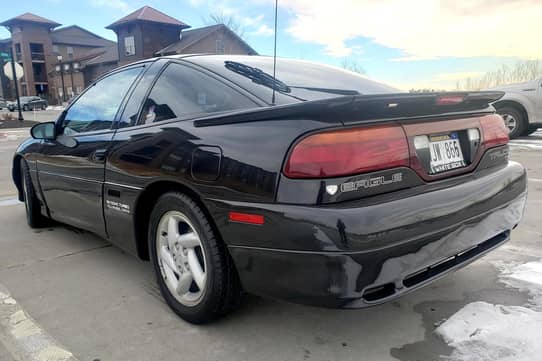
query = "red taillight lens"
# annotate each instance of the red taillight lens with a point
(345, 152)
(494, 131)
(449, 99)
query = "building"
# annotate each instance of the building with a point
(59, 62)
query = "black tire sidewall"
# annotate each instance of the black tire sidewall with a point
(520, 121)
(33, 212)
(206, 309)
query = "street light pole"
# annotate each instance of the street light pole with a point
(71, 77)
(62, 78)
(16, 84)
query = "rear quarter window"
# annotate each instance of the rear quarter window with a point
(183, 92)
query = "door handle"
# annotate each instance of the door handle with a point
(99, 155)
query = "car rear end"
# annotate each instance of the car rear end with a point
(405, 190)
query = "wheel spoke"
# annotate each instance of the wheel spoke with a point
(189, 240)
(195, 268)
(170, 278)
(168, 259)
(184, 283)
(172, 232)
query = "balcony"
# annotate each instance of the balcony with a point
(37, 56)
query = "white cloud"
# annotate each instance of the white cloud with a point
(120, 5)
(413, 58)
(252, 21)
(196, 3)
(262, 30)
(422, 28)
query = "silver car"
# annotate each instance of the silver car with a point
(28, 103)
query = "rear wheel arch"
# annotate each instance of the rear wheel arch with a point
(145, 204)
(522, 115)
(513, 104)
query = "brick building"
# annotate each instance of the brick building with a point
(59, 62)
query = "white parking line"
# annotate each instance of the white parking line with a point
(535, 180)
(4, 202)
(23, 337)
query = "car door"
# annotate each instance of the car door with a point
(71, 167)
(33, 103)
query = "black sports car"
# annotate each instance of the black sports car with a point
(316, 186)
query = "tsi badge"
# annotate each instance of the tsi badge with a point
(365, 183)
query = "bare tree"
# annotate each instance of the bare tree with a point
(352, 64)
(230, 21)
(522, 71)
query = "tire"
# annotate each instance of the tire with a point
(34, 218)
(221, 290)
(531, 130)
(25, 108)
(519, 125)
(43, 107)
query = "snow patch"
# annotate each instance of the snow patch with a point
(483, 331)
(525, 277)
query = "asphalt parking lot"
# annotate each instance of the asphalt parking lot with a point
(86, 300)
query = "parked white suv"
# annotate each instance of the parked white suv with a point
(521, 107)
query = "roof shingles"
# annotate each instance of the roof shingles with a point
(29, 17)
(149, 14)
(189, 37)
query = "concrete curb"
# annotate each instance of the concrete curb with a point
(22, 336)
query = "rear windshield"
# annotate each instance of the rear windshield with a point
(303, 80)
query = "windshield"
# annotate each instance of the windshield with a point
(298, 79)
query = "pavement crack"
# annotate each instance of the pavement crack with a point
(46, 259)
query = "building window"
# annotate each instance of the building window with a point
(55, 50)
(219, 46)
(129, 46)
(18, 55)
(69, 51)
(36, 52)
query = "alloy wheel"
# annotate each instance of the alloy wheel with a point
(510, 121)
(181, 258)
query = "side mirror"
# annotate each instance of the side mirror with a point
(43, 131)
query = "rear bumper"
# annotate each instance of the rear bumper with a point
(362, 253)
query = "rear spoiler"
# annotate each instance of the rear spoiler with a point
(367, 108)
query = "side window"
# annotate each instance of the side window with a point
(129, 46)
(97, 107)
(183, 92)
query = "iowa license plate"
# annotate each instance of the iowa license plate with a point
(445, 153)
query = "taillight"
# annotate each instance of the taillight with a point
(494, 131)
(449, 99)
(346, 152)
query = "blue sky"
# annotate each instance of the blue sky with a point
(415, 43)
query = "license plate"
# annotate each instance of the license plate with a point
(445, 153)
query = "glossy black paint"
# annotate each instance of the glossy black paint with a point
(314, 247)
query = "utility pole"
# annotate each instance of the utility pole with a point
(62, 77)
(16, 84)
